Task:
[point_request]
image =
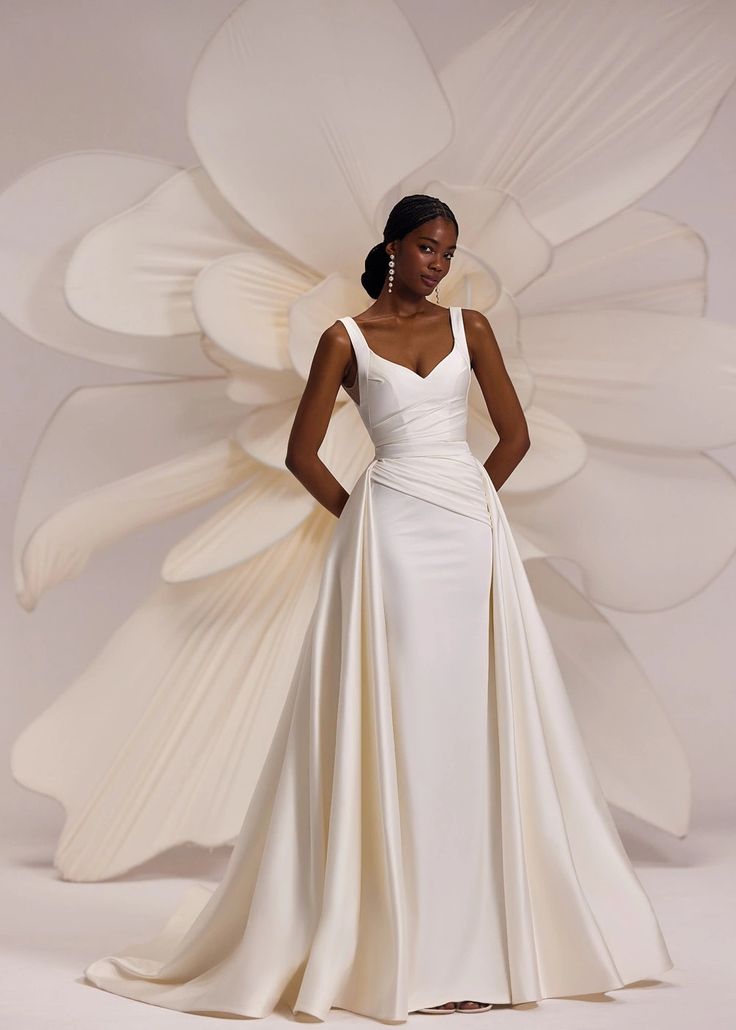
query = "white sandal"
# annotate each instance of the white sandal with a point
(480, 1008)
(437, 1010)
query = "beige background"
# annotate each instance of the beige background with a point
(78, 74)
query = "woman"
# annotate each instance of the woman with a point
(427, 825)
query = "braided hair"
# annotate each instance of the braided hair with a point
(405, 216)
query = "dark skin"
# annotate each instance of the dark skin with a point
(406, 328)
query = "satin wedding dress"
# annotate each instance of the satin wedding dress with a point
(427, 824)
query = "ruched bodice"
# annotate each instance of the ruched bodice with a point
(418, 424)
(403, 411)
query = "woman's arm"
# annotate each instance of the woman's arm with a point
(332, 358)
(500, 396)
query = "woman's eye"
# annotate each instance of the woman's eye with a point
(426, 246)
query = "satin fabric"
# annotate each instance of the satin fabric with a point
(427, 824)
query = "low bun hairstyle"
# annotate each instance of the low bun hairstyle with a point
(405, 216)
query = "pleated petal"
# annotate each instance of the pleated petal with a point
(345, 84)
(272, 505)
(309, 316)
(252, 385)
(171, 721)
(256, 387)
(470, 283)
(639, 759)
(579, 108)
(648, 529)
(556, 453)
(639, 378)
(43, 215)
(135, 271)
(264, 433)
(493, 228)
(114, 458)
(505, 323)
(639, 260)
(242, 303)
(61, 547)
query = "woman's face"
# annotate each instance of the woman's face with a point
(423, 256)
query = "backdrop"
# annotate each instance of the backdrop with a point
(81, 75)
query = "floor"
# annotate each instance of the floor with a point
(52, 928)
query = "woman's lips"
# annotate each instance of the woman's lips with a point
(429, 280)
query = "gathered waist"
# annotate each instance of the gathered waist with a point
(416, 448)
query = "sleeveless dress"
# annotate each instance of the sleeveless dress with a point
(427, 825)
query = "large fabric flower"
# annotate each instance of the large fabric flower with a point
(310, 121)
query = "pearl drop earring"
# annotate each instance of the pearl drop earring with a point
(437, 293)
(390, 273)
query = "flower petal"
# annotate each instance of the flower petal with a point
(252, 385)
(470, 283)
(579, 108)
(637, 259)
(309, 316)
(636, 377)
(494, 229)
(242, 303)
(170, 723)
(135, 272)
(647, 529)
(638, 758)
(60, 547)
(84, 488)
(555, 454)
(504, 319)
(270, 507)
(43, 214)
(347, 83)
(264, 434)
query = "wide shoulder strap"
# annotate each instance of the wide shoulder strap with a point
(458, 329)
(361, 352)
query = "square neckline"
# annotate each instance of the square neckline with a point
(406, 368)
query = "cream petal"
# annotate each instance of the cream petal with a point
(264, 434)
(494, 229)
(221, 358)
(170, 723)
(309, 316)
(271, 506)
(578, 109)
(555, 454)
(346, 84)
(43, 214)
(648, 529)
(253, 385)
(504, 320)
(59, 548)
(242, 303)
(640, 378)
(638, 758)
(347, 448)
(82, 486)
(135, 272)
(637, 259)
(470, 283)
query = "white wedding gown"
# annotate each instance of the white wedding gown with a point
(427, 825)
